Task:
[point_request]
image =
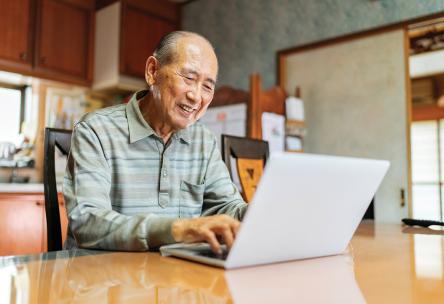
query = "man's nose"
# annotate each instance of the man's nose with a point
(195, 94)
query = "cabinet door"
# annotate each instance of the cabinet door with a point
(15, 34)
(22, 220)
(141, 31)
(64, 38)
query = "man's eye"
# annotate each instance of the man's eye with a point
(208, 88)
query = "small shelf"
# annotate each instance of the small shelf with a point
(295, 128)
(295, 123)
(295, 151)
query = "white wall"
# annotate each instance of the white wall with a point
(355, 101)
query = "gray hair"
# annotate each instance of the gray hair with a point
(165, 49)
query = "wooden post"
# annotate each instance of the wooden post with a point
(297, 92)
(254, 122)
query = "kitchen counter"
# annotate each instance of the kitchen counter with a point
(21, 188)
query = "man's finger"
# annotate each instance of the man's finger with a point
(235, 228)
(211, 239)
(227, 234)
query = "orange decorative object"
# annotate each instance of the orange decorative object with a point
(250, 172)
(221, 116)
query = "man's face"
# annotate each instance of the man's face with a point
(184, 88)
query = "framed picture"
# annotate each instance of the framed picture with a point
(64, 107)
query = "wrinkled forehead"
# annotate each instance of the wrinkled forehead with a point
(197, 54)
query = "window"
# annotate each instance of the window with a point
(427, 169)
(11, 114)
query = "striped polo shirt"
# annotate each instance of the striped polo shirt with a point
(124, 186)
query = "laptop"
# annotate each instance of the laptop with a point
(305, 206)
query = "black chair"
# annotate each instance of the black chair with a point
(251, 156)
(370, 212)
(62, 140)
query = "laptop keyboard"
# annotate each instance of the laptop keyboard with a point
(211, 254)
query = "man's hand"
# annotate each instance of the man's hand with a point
(206, 229)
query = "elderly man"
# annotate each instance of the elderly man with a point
(146, 174)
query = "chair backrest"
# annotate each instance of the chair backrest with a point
(250, 155)
(260, 101)
(62, 140)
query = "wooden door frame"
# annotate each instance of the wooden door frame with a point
(408, 100)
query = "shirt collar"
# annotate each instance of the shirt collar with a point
(137, 125)
(183, 134)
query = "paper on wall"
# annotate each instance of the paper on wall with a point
(273, 131)
(231, 120)
(294, 143)
(294, 108)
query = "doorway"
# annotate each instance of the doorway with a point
(426, 62)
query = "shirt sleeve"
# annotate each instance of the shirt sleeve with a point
(221, 195)
(92, 222)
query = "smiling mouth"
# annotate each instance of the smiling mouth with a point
(187, 109)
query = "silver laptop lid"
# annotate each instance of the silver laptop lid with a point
(305, 206)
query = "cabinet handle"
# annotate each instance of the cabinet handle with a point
(38, 203)
(23, 56)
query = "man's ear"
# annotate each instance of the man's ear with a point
(151, 68)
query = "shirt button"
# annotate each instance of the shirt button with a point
(164, 173)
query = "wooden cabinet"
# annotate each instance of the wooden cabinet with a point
(16, 24)
(54, 39)
(23, 223)
(127, 31)
(64, 39)
(141, 32)
(48, 38)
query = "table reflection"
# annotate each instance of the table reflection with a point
(118, 278)
(150, 278)
(320, 280)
